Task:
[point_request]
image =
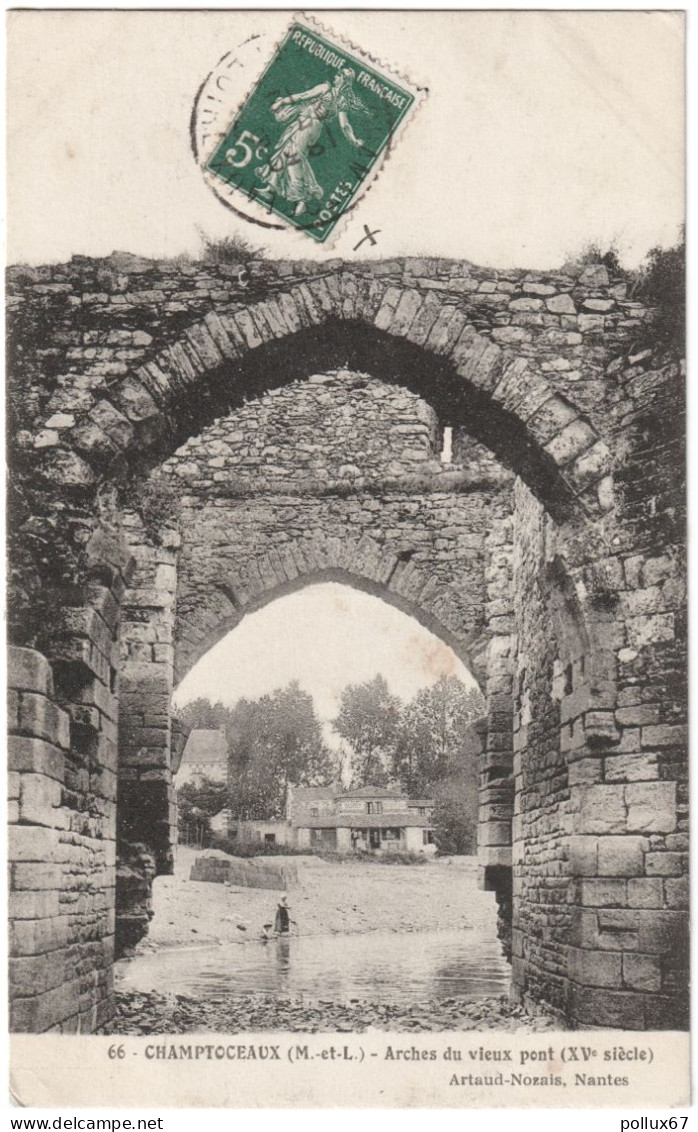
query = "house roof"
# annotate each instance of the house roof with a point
(371, 792)
(205, 745)
(395, 820)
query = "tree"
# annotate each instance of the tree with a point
(433, 735)
(274, 742)
(369, 720)
(201, 714)
(197, 803)
(455, 814)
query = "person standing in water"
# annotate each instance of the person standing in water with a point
(282, 922)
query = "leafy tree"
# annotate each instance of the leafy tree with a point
(455, 814)
(661, 282)
(198, 802)
(273, 742)
(201, 714)
(369, 721)
(433, 735)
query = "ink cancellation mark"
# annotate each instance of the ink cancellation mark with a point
(313, 132)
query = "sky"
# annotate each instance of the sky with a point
(325, 636)
(541, 131)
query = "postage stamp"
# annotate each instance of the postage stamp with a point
(313, 131)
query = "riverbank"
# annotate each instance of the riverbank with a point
(195, 923)
(152, 1013)
(330, 899)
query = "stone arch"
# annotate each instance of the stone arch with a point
(425, 341)
(363, 565)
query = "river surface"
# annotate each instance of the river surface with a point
(383, 967)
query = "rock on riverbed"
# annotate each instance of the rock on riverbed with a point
(152, 1013)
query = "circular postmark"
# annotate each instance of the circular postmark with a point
(293, 134)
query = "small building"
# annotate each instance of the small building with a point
(374, 819)
(276, 831)
(205, 756)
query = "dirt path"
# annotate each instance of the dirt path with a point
(330, 899)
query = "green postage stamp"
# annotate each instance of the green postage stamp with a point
(313, 132)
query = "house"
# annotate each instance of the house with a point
(376, 819)
(205, 756)
(275, 831)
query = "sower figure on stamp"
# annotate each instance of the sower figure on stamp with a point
(289, 173)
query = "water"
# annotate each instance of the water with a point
(378, 967)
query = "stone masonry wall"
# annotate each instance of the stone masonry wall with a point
(62, 853)
(600, 833)
(346, 459)
(571, 612)
(146, 826)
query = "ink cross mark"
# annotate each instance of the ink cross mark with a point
(369, 236)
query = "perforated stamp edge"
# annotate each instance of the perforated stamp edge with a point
(236, 199)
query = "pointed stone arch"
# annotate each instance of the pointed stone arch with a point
(423, 340)
(362, 564)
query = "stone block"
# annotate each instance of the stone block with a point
(598, 305)
(663, 933)
(594, 275)
(583, 856)
(677, 892)
(526, 305)
(620, 923)
(40, 799)
(585, 772)
(595, 968)
(621, 856)
(656, 570)
(667, 1012)
(665, 735)
(42, 1011)
(561, 304)
(642, 602)
(607, 1009)
(645, 892)
(388, 307)
(406, 312)
(590, 466)
(642, 972)
(603, 893)
(36, 875)
(32, 905)
(678, 842)
(37, 937)
(35, 756)
(134, 400)
(651, 807)
(631, 768)
(29, 671)
(638, 715)
(665, 864)
(35, 974)
(602, 809)
(650, 629)
(553, 416)
(31, 843)
(600, 728)
(41, 718)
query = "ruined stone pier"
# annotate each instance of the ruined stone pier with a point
(191, 441)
